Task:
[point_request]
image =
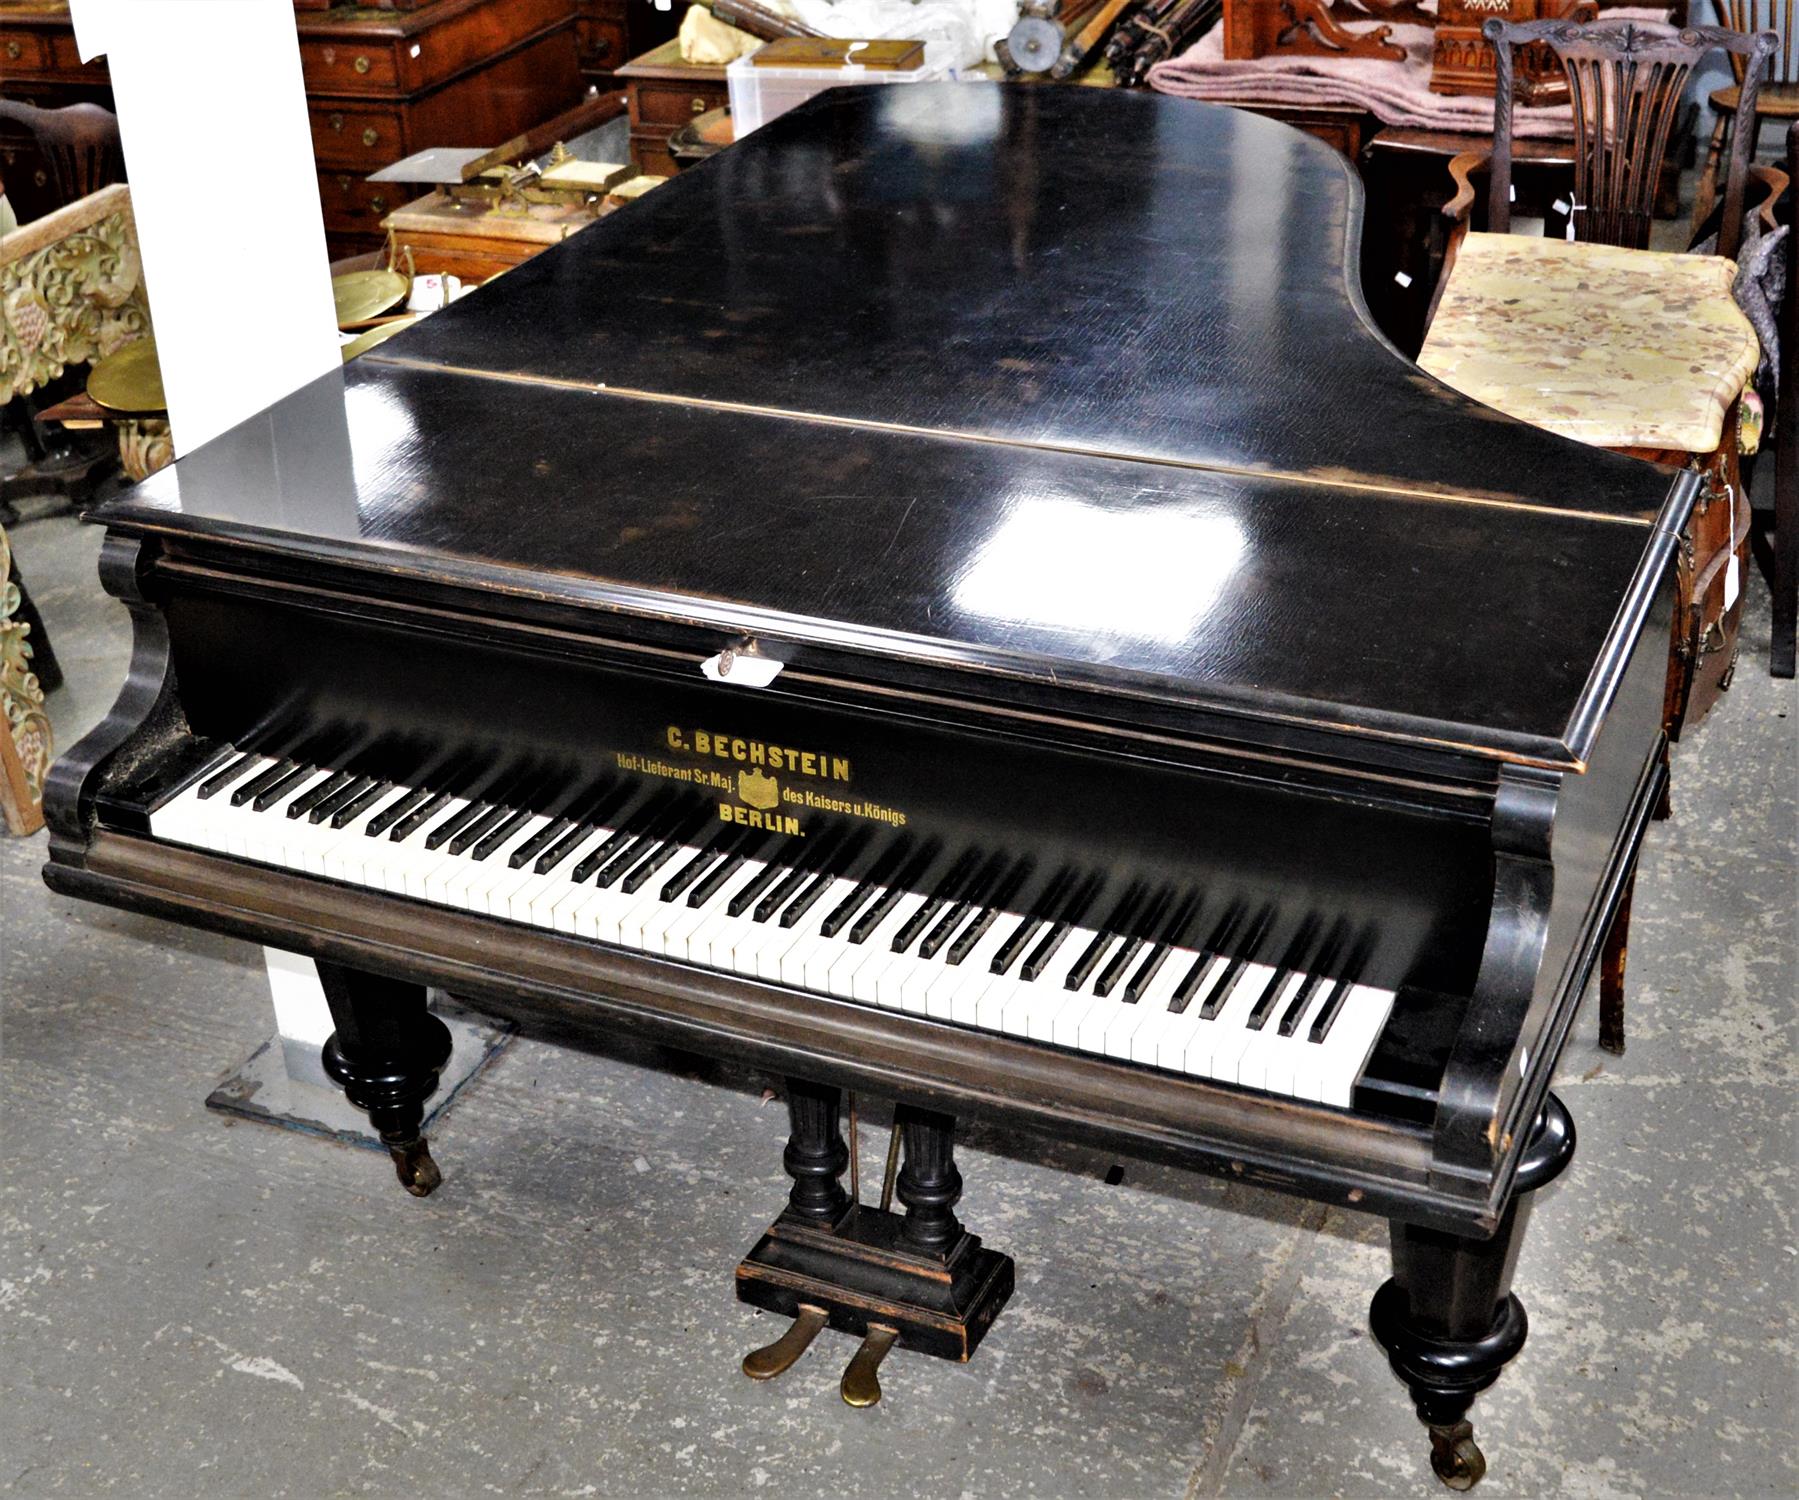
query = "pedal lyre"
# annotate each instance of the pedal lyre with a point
(780, 1356)
(861, 1384)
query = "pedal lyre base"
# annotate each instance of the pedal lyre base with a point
(861, 1274)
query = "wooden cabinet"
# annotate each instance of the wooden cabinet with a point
(380, 84)
(664, 93)
(612, 31)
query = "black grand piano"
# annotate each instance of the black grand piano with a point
(954, 599)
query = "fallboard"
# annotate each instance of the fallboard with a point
(1378, 875)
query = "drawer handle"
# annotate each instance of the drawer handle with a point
(370, 136)
(379, 203)
(15, 50)
(699, 106)
(361, 65)
(337, 123)
(602, 47)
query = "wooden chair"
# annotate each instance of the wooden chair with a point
(1625, 81)
(79, 144)
(1777, 98)
(1608, 342)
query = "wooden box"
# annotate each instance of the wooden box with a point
(1462, 60)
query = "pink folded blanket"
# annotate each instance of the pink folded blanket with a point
(1398, 93)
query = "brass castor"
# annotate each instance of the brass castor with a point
(413, 1165)
(1456, 1457)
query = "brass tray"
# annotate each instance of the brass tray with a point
(381, 332)
(130, 381)
(361, 295)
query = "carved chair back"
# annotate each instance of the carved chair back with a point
(1749, 16)
(80, 146)
(1625, 81)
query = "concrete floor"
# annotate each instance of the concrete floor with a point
(190, 1305)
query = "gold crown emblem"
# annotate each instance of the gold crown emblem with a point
(758, 789)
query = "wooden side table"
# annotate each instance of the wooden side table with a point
(664, 94)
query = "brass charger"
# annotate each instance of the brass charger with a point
(129, 382)
(361, 295)
(381, 332)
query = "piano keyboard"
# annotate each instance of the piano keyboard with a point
(661, 875)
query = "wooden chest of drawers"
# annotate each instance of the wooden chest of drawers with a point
(612, 31)
(380, 84)
(664, 94)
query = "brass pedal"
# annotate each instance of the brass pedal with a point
(780, 1356)
(862, 1380)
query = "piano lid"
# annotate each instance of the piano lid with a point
(1222, 494)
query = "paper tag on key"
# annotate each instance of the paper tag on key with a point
(1733, 583)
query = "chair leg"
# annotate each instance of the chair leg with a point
(1706, 194)
(1611, 975)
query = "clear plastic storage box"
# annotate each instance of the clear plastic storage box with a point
(759, 94)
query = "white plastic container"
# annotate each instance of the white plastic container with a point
(759, 95)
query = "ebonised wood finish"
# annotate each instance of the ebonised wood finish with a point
(1088, 516)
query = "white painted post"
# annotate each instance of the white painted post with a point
(207, 95)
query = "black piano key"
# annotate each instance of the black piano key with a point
(418, 817)
(902, 886)
(498, 838)
(947, 889)
(1191, 983)
(793, 878)
(663, 829)
(447, 828)
(1217, 961)
(1235, 964)
(679, 840)
(218, 781)
(1028, 927)
(806, 899)
(329, 786)
(281, 788)
(356, 802)
(682, 880)
(1265, 1002)
(1090, 957)
(845, 910)
(1173, 936)
(971, 934)
(1346, 981)
(255, 786)
(748, 894)
(409, 798)
(477, 828)
(598, 858)
(538, 842)
(721, 872)
(978, 892)
(1123, 917)
(1327, 1013)
(1298, 951)
(1296, 1009)
(1073, 910)
(1135, 933)
(346, 785)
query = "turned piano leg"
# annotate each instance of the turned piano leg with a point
(816, 1155)
(1448, 1319)
(386, 1054)
(929, 1184)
